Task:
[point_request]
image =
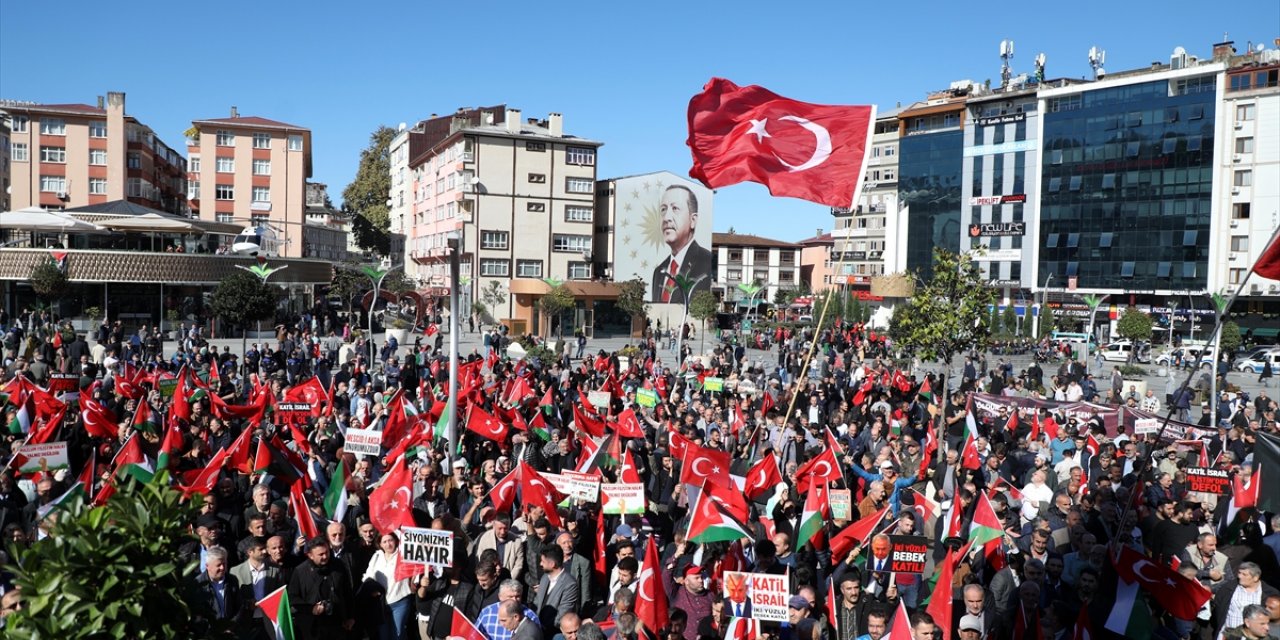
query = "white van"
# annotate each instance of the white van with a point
(1120, 351)
(1256, 363)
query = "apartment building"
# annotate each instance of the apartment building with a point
(751, 259)
(252, 171)
(519, 192)
(4, 165)
(75, 155)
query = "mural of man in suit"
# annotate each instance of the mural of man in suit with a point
(679, 209)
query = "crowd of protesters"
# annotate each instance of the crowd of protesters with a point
(1066, 502)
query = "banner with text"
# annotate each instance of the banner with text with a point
(367, 442)
(761, 596)
(39, 457)
(1204, 480)
(430, 547)
(623, 498)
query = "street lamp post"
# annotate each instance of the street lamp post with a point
(1173, 315)
(1044, 301)
(376, 275)
(455, 276)
(263, 272)
(1220, 309)
(1093, 302)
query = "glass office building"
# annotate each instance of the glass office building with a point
(1127, 175)
(929, 171)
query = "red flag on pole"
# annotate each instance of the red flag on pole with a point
(796, 149)
(651, 598)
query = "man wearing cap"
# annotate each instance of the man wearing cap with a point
(970, 627)
(691, 595)
(889, 475)
(798, 615)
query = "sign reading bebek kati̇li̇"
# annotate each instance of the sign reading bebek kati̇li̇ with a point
(910, 554)
(430, 547)
(1204, 480)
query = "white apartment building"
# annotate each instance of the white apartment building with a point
(744, 258)
(521, 193)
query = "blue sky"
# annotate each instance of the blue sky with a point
(621, 73)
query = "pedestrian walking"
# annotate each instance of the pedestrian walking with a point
(1265, 378)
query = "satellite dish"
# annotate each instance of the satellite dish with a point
(1261, 47)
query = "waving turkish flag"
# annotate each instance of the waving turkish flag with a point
(628, 425)
(825, 468)
(797, 149)
(391, 504)
(762, 477)
(503, 493)
(651, 597)
(484, 424)
(1182, 597)
(701, 463)
(537, 490)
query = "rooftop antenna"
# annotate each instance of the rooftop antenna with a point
(1006, 54)
(1097, 58)
(1039, 68)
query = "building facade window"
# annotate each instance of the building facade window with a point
(563, 242)
(1243, 178)
(499, 240)
(1246, 112)
(536, 207)
(295, 142)
(53, 127)
(578, 185)
(262, 194)
(1244, 145)
(579, 270)
(536, 147)
(53, 184)
(1240, 210)
(226, 165)
(261, 167)
(225, 139)
(261, 141)
(580, 155)
(260, 219)
(97, 129)
(193, 165)
(495, 268)
(98, 156)
(1239, 243)
(53, 154)
(18, 152)
(537, 178)
(133, 160)
(97, 186)
(225, 192)
(223, 217)
(577, 214)
(19, 124)
(193, 189)
(528, 268)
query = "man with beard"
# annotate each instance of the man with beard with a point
(692, 597)
(320, 595)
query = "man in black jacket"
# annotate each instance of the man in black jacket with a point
(320, 595)
(218, 590)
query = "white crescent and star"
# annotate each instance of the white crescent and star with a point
(1137, 571)
(694, 467)
(395, 497)
(822, 140)
(646, 585)
(821, 464)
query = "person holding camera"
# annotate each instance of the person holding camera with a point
(320, 595)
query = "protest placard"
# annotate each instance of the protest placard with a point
(761, 596)
(713, 384)
(167, 386)
(1143, 426)
(60, 383)
(366, 442)
(841, 504)
(600, 399)
(430, 547)
(647, 398)
(53, 454)
(623, 497)
(583, 486)
(297, 413)
(1204, 480)
(909, 554)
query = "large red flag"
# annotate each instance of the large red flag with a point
(762, 477)
(503, 493)
(1268, 265)
(940, 602)
(701, 463)
(824, 468)
(1182, 597)
(796, 149)
(856, 533)
(651, 598)
(391, 504)
(302, 512)
(628, 425)
(483, 423)
(312, 393)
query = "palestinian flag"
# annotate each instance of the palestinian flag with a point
(144, 418)
(81, 488)
(20, 424)
(709, 522)
(133, 462)
(538, 427)
(1130, 616)
(816, 509)
(442, 425)
(276, 608)
(1266, 454)
(855, 533)
(335, 498)
(986, 525)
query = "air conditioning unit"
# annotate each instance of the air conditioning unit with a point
(1232, 257)
(1235, 223)
(1273, 288)
(1235, 158)
(1239, 124)
(1235, 191)
(62, 195)
(1255, 289)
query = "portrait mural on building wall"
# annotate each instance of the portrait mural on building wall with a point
(664, 234)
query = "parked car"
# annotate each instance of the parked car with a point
(1250, 353)
(1256, 363)
(1121, 350)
